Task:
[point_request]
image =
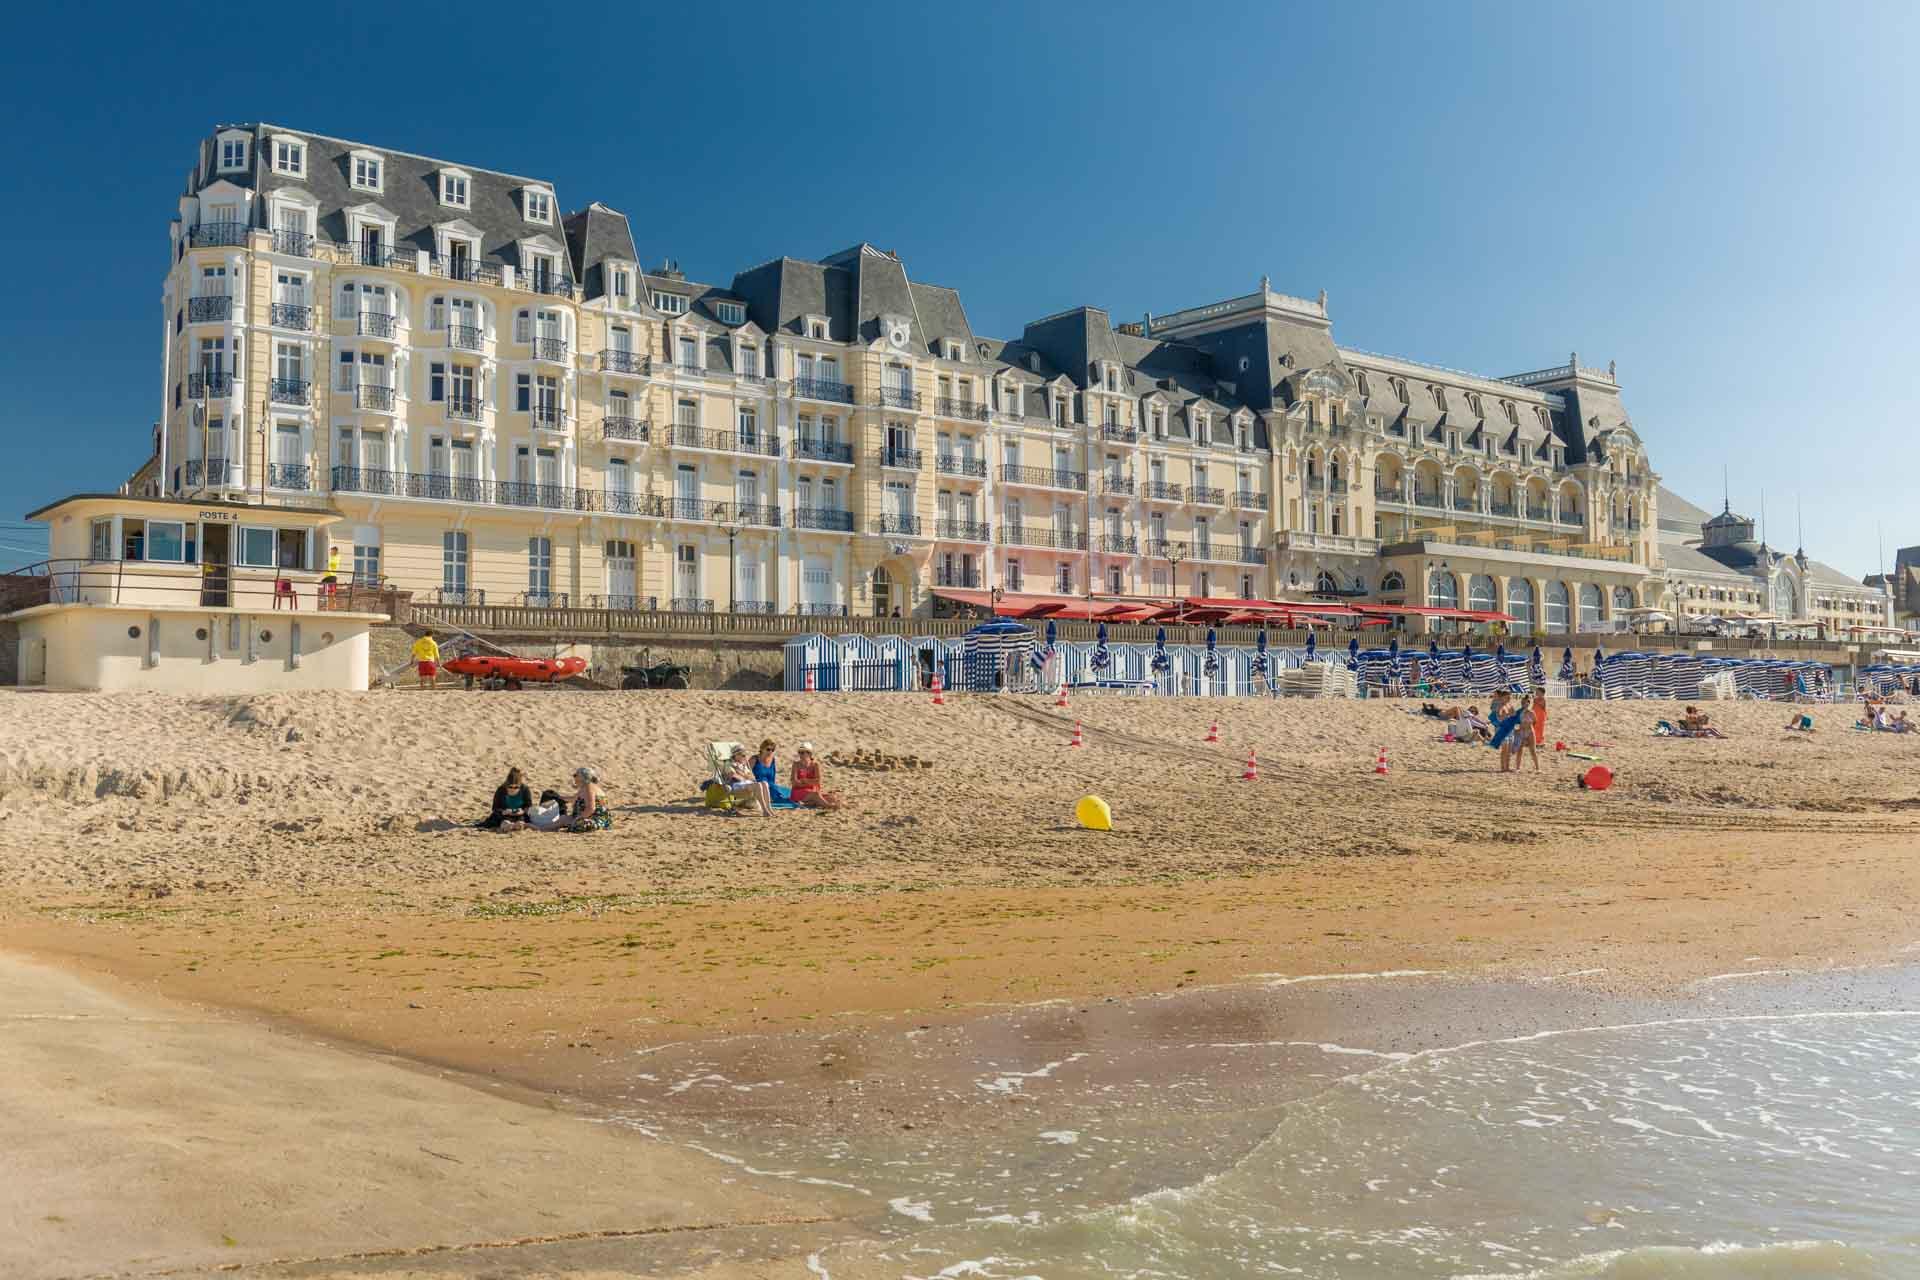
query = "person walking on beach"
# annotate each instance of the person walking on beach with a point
(1539, 717)
(426, 660)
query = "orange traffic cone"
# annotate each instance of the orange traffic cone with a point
(1380, 764)
(809, 679)
(938, 699)
(1252, 771)
(1061, 701)
(1078, 741)
(1213, 732)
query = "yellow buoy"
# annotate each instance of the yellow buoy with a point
(1093, 814)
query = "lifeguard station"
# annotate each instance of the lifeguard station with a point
(186, 597)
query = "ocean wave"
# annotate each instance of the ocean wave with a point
(1788, 1260)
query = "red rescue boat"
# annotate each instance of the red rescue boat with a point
(515, 670)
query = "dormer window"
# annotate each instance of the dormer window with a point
(731, 312)
(455, 189)
(1439, 396)
(233, 153)
(1473, 405)
(620, 284)
(366, 171)
(1360, 381)
(1506, 407)
(538, 204)
(1400, 389)
(817, 329)
(954, 351)
(670, 304)
(290, 157)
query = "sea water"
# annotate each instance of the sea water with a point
(1770, 1146)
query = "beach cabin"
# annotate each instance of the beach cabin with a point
(185, 597)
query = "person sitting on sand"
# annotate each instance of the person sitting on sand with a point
(766, 769)
(1693, 720)
(1898, 724)
(1468, 725)
(806, 781)
(588, 811)
(1801, 723)
(512, 804)
(738, 779)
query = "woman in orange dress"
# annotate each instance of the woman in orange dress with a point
(1540, 717)
(806, 790)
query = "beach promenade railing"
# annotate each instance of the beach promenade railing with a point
(184, 584)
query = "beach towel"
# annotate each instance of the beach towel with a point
(1503, 727)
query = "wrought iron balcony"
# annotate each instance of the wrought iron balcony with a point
(690, 604)
(548, 415)
(818, 609)
(1120, 485)
(1539, 511)
(211, 472)
(290, 391)
(693, 509)
(374, 396)
(550, 282)
(297, 243)
(464, 268)
(959, 464)
(823, 389)
(393, 257)
(955, 576)
(616, 360)
(1120, 544)
(1163, 491)
(465, 408)
(1249, 555)
(1423, 499)
(949, 407)
(1465, 504)
(825, 519)
(764, 514)
(909, 525)
(1388, 493)
(1253, 501)
(759, 442)
(896, 398)
(1121, 434)
(290, 475)
(290, 315)
(1573, 517)
(1499, 508)
(1169, 549)
(624, 428)
(897, 456)
(625, 502)
(216, 306)
(1207, 496)
(963, 531)
(552, 350)
(1036, 535)
(451, 488)
(466, 337)
(209, 382)
(753, 377)
(218, 235)
(753, 606)
(1044, 477)
(375, 324)
(810, 449)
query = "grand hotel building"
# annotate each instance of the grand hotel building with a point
(507, 408)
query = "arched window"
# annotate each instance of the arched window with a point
(1391, 583)
(1443, 590)
(1557, 599)
(1324, 583)
(1520, 601)
(1589, 605)
(1480, 592)
(1622, 600)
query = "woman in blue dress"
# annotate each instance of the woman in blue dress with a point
(767, 769)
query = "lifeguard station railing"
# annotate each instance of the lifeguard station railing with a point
(183, 585)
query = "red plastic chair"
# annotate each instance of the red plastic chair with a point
(283, 590)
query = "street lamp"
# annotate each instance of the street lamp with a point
(1176, 552)
(733, 531)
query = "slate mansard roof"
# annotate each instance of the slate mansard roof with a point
(410, 195)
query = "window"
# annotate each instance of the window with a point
(622, 284)
(1064, 583)
(166, 540)
(454, 188)
(689, 357)
(749, 362)
(539, 205)
(436, 381)
(1114, 580)
(453, 565)
(731, 312)
(523, 392)
(366, 555)
(539, 570)
(233, 154)
(290, 157)
(366, 171)
(817, 329)
(256, 550)
(1014, 581)
(671, 304)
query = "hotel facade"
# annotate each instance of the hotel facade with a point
(504, 407)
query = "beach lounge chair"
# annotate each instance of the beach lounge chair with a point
(716, 795)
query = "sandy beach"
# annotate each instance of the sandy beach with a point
(301, 863)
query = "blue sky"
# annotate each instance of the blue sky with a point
(1719, 197)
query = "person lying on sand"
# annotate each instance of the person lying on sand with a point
(512, 801)
(806, 782)
(739, 780)
(588, 812)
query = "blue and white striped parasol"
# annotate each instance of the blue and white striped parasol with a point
(1566, 665)
(1161, 663)
(1211, 664)
(1101, 658)
(1310, 646)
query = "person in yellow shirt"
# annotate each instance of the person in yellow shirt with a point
(426, 657)
(331, 583)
